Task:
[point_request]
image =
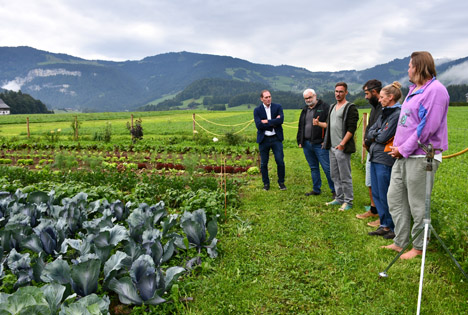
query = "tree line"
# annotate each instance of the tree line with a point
(216, 94)
(20, 103)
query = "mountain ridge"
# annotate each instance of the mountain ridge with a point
(64, 81)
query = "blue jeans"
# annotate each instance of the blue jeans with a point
(277, 147)
(314, 155)
(380, 181)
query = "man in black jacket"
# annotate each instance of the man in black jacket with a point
(371, 90)
(310, 138)
(269, 119)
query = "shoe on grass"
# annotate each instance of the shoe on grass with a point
(366, 214)
(381, 231)
(333, 203)
(375, 223)
(312, 193)
(266, 187)
(345, 207)
(390, 235)
(282, 186)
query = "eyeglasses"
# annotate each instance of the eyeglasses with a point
(308, 98)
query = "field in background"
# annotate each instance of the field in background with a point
(179, 123)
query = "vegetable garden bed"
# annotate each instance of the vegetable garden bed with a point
(80, 248)
(86, 252)
(86, 159)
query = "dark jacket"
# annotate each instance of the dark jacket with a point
(381, 134)
(351, 117)
(376, 111)
(273, 124)
(318, 133)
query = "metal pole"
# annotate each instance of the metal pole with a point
(430, 152)
(448, 252)
(421, 277)
(427, 220)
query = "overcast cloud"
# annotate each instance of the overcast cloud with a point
(317, 35)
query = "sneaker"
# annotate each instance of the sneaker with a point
(390, 235)
(345, 207)
(333, 203)
(366, 214)
(266, 187)
(375, 223)
(381, 231)
(282, 186)
(312, 193)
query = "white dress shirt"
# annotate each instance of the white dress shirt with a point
(268, 112)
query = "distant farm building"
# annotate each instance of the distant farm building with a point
(4, 108)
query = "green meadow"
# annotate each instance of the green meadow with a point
(282, 252)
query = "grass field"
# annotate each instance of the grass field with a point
(285, 253)
(179, 123)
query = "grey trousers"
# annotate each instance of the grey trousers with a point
(407, 199)
(340, 171)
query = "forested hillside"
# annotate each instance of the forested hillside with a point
(220, 94)
(23, 103)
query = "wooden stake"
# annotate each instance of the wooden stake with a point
(193, 120)
(225, 192)
(132, 127)
(27, 124)
(364, 126)
(76, 127)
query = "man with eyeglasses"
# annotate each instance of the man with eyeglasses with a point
(339, 139)
(269, 119)
(310, 134)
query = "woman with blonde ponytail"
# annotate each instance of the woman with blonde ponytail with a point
(379, 138)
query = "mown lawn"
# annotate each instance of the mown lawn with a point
(285, 253)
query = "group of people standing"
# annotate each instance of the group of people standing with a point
(396, 162)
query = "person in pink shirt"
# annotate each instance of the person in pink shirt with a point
(423, 119)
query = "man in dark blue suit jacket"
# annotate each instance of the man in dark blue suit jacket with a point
(269, 118)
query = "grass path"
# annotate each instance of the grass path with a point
(285, 253)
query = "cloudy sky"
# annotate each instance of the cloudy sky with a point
(322, 35)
